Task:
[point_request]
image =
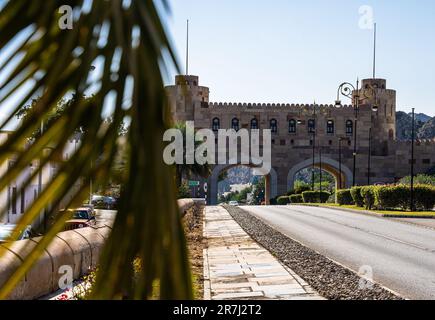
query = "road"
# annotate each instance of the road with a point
(401, 255)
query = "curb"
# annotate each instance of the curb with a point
(366, 212)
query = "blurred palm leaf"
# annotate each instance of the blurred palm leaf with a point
(128, 44)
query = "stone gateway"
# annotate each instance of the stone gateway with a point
(295, 127)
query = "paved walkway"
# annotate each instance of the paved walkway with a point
(236, 267)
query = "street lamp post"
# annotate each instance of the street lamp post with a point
(349, 90)
(314, 146)
(375, 109)
(320, 173)
(412, 160)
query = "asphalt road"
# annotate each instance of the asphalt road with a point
(401, 255)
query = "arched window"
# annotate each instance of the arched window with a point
(235, 124)
(254, 123)
(292, 126)
(311, 126)
(330, 127)
(349, 127)
(273, 126)
(215, 124)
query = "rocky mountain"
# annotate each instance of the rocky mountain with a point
(424, 126)
(421, 117)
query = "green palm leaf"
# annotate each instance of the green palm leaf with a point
(128, 43)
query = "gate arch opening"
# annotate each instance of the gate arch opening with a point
(271, 182)
(329, 165)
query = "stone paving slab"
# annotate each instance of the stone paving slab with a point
(236, 267)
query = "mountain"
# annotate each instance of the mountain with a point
(424, 126)
(421, 117)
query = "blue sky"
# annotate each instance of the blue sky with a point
(300, 51)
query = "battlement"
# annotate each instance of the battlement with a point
(274, 105)
(417, 142)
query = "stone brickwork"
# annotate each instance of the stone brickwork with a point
(292, 149)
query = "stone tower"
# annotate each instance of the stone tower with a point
(382, 122)
(186, 97)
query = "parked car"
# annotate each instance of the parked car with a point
(81, 217)
(103, 202)
(26, 232)
(233, 203)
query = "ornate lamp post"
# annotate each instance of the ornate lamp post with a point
(412, 160)
(350, 91)
(374, 109)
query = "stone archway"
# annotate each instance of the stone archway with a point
(271, 184)
(329, 165)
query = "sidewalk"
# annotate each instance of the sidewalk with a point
(236, 267)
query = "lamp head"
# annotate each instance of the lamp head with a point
(375, 108)
(337, 103)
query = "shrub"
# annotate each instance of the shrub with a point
(183, 191)
(290, 192)
(301, 187)
(368, 196)
(392, 196)
(344, 197)
(315, 196)
(424, 196)
(296, 198)
(356, 196)
(283, 200)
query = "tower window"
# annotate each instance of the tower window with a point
(311, 126)
(330, 127)
(292, 126)
(235, 124)
(349, 127)
(273, 126)
(254, 123)
(215, 124)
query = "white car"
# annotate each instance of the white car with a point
(233, 203)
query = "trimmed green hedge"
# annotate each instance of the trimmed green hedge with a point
(315, 196)
(282, 201)
(344, 197)
(399, 196)
(296, 198)
(368, 195)
(356, 196)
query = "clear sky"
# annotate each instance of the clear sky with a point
(299, 51)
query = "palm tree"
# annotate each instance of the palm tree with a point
(118, 50)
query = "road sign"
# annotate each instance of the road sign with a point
(193, 183)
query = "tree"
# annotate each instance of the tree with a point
(258, 193)
(132, 52)
(189, 170)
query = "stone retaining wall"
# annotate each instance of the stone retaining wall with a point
(79, 249)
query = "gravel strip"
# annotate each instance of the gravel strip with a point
(328, 278)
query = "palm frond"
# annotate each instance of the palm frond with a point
(55, 64)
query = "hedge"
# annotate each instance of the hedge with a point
(282, 200)
(424, 196)
(344, 197)
(399, 196)
(356, 196)
(368, 195)
(296, 198)
(315, 196)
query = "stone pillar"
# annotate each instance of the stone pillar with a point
(267, 190)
